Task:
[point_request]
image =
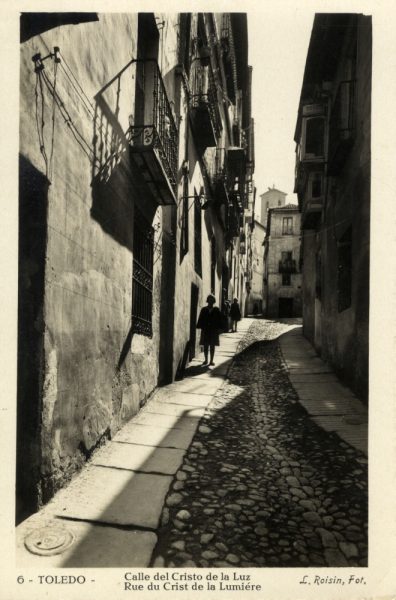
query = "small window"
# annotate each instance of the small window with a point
(286, 279)
(287, 226)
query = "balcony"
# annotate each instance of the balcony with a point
(205, 114)
(216, 168)
(236, 158)
(153, 139)
(341, 127)
(287, 266)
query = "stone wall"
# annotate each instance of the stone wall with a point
(345, 333)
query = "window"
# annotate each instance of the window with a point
(314, 132)
(142, 291)
(197, 236)
(287, 226)
(286, 279)
(344, 284)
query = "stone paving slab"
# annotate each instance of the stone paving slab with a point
(313, 363)
(175, 409)
(192, 386)
(155, 436)
(185, 398)
(322, 390)
(356, 435)
(335, 406)
(167, 421)
(296, 377)
(317, 369)
(114, 496)
(94, 546)
(138, 457)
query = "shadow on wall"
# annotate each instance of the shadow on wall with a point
(33, 206)
(112, 205)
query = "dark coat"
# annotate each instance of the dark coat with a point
(235, 312)
(210, 323)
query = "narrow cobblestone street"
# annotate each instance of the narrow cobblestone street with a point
(261, 484)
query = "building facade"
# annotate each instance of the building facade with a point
(136, 166)
(256, 303)
(333, 187)
(282, 276)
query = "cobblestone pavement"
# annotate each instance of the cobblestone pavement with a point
(261, 484)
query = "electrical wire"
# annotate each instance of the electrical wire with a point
(53, 124)
(67, 118)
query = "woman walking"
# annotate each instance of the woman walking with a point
(235, 314)
(209, 322)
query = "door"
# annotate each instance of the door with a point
(193, 319)
(285, 307)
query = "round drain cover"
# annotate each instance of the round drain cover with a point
(49, 540)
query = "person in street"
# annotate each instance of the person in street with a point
(209, 322)
(225, 312)
(235, 314)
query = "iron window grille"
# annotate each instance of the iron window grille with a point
(142, 292)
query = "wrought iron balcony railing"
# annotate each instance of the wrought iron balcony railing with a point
(342, 126)
(155, 140)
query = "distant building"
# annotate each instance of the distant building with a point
(270, 199)
(333, 187)
(282, 277)
(255, 300)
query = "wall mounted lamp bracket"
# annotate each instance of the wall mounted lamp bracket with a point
(39, 60)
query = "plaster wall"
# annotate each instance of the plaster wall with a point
(95, 372)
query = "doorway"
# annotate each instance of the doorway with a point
(285, 307)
